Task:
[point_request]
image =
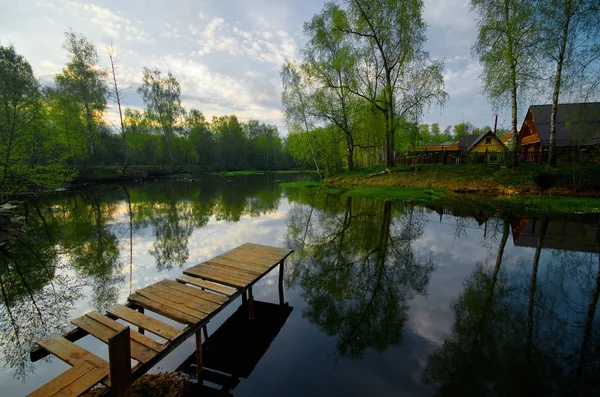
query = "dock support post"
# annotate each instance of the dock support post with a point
(250, 304)
(244, 298)
(205, 330)
(140, 329)
(119, 353)
(281, 283)
(199, 353)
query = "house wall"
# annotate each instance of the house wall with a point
(494, 146)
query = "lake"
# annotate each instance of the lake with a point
(386, 298)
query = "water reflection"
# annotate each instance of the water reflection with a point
(520, 294)
(74, 241)
(521, 331)
(357, 268)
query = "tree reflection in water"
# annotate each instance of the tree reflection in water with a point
(357, 267)
(74, 241)
(522, 332)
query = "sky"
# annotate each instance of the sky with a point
(227, 54)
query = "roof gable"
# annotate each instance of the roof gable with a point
(468, 142)
(576, 123)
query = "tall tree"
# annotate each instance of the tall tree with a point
(116, 93)
(570, 35)
(505, 46)
(393, 71)
(295, 104)
(161, 94)
(18, 93)
(328, 61)
(84, 80)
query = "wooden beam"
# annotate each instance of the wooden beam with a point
(120, 363)
(199, 366)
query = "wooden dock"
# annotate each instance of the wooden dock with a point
(192, 300)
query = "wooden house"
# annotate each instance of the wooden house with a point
(483, 148)
(577, 128)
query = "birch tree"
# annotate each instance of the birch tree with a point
(295, 104)
(569, 43)
(116, 94)
(161, 94)
(392, 71)
(84, 80)
(506, 48)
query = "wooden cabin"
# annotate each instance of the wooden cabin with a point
(483, 148)
(577, 128)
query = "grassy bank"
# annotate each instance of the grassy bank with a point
(480, 179)
(114, 173)
(529, 189)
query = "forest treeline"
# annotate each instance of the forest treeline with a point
(365, 79)
(50, 134)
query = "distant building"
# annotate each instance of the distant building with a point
(577, 128)
(482, 148)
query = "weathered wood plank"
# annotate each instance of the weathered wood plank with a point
(141, 320)
(257, 264)
(134, 335)
(163, 310)
(228, 272)
(221, 289)
(180, 298)
(255, 259)
(237, 265)
(217, 300)
(83, 384)
(167, 300)
(274, 251)
(215, 277)
(260, 257)
(69, 352)
(139, 352)
(68, 378)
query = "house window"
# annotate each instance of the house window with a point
(488, 141)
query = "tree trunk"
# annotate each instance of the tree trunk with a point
(533, 286)
(557, 82)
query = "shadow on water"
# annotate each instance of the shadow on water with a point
(522, 318)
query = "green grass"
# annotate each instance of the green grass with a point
(415, 194)
(547, 204)
(301, 184)
(256, 172)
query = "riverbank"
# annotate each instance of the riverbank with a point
(489, 180)
(527, 189)
(105, 174)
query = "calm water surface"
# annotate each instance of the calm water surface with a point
(387, 298)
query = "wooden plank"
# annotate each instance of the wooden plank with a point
(67, 378)
(83, 384)
(276, 251)
(221, 289)
(141, 320)
(207, 296)
(117, 327)
(139, 352)
(120, 364)
(180, 298)
(69, 352)
(215, 277)
(251, 256)
(243, 265)
(256, 258)
(163, 310)
(228, 272)
(255, 254)
(167, 300)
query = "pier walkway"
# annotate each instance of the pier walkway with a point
(192, 301)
